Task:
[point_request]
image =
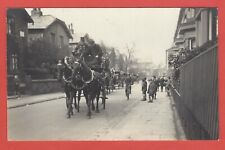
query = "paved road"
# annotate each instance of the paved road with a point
(121, 120)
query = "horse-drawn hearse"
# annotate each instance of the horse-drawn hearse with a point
(84, 73)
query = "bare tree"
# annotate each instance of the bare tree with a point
(129, 58)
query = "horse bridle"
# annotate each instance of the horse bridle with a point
(70, 79)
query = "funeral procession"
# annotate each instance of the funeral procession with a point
(98, 74)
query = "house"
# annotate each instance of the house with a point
(52, 31)
(17, 34)
(48, 41)
(195, 27)
(185, 34)
(195, 77)
(49, 28)
(184, 37)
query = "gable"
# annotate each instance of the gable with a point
(45, 22)
(63, 26)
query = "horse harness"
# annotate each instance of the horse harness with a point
(69, 79)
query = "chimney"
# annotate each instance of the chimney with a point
(36, 12)
(71, 28)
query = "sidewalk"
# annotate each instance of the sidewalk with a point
(14, 102)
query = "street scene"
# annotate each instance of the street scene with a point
(121, 120)
(98, 74)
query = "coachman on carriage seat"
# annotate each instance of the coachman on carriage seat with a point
(93, 56)
(90, 52)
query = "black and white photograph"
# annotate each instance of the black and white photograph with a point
(112, 74)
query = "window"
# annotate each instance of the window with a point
(213, 24)
(191, 13)
(22, 34)
(53, 38)
(11, 25)
(190, 43)
(184, 20)
(61, 42)
(14, 62)
(210, 26)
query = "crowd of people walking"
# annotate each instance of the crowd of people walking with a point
(154, 85)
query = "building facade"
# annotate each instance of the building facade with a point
(48, 41)
(195, 27)
(17, 43)
(49, 28)
(17, 35)
(51, 31)
(206, 25)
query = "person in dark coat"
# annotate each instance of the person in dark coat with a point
(151, 90)
(168, 86)
(157, 80)
(162, 83)
(128, 83)
(144, 89)
(93, 56)
(81, 48)
(156, 86)
(17, 85)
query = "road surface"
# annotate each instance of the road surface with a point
(121, 120)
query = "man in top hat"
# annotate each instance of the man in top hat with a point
(81, 48)
(93, 56)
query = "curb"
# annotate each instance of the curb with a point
(35, 102)
(11, 97)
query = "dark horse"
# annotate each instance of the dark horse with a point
(71, 92)
(83, 78)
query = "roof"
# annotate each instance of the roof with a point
(173, 49)
(197, 12)
(179, 40)
(189, 25)
(179, 21)
(41, 22)
(23, 11)
(45, 21)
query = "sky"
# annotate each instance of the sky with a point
(149, 31)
